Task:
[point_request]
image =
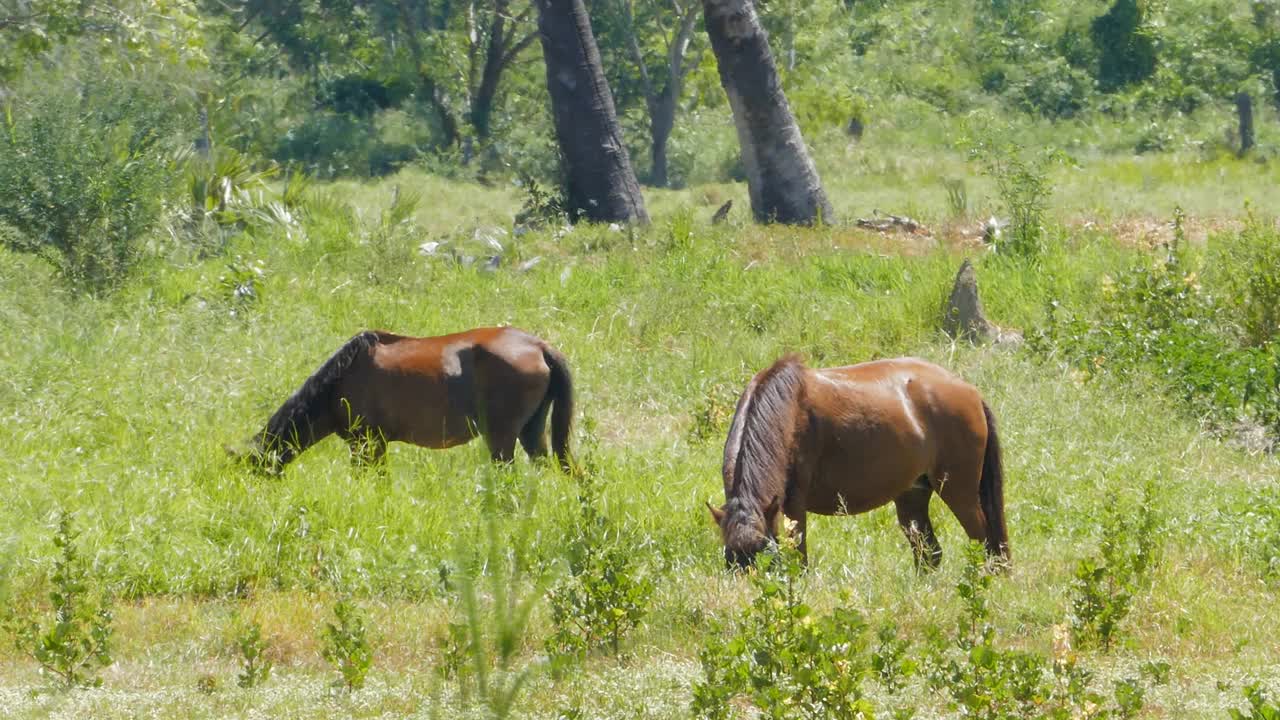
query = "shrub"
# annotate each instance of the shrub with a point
(782, 657)
(604, 597)
(1102, 594)
(1023, 183)
(329, 144)
(1053, 89)
(77, 643)
(988, 682)
(1126, 50)
(255, 667)
(1260, 706)
(1258, 523)
(1249, 265)
(346, 646)
(482, 649)
(1156, 317)
(85, 174)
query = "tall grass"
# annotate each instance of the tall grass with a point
(118, 409)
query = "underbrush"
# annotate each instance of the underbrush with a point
(1202, 324)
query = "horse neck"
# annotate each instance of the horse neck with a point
(764, 432)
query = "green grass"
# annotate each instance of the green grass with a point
(118, 408)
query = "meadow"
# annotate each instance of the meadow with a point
(117, 408)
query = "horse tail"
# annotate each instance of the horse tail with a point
(991, 489)
(299, 423)
(560, 393)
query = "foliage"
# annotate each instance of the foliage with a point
(255, 667)
(346, 645)
(121, 33)
(889, 660)
(1126, 50)
(542, 206)
(605, 597)
(1260, 706)
(1024, 186)
(781, 656)
(77, 644)
(495, 619)
(388, 236)
(986, 681)
(1159, 316)
(229, 195)
(85, 172)
(242, 284)
(1249, 263)
(1105, 585)
(714, 412)
(1258, 520)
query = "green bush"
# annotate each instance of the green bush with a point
(1211, 347)
(1023, 183)
(255, 667)
(605, 596)
(1105, 584)
(782, 657)
(1257, 523)
(1053, 88)
(85, 172)
(1126, 49)
(988, 682)
(77, 644)
(1247, 265)
(330, 144)
(346, 646)
(1260, 706)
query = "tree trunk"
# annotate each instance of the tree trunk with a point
(781, 177)
(662, 104)
(662, 118)
(1244, 108)
(482, 102)
(600, 184)
(204, 142)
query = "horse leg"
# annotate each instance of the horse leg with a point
(960, 493)
(502, 444)
(533, 438)
(913, 517)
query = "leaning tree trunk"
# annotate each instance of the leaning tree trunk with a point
(600, 184)
(781, 177)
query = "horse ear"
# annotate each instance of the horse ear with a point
(717, 514)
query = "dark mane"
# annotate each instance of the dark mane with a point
(758, 452)
(286, 423)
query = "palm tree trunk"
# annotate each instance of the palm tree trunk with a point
(600, 184)
(781, 177)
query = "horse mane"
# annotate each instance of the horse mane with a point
(758, 452)
(300, 406)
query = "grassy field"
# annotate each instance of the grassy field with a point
(118, 409)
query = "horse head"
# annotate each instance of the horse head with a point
(745, 529)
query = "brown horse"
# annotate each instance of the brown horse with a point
(848, 440)
(436, 392)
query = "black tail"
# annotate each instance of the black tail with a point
(991, 490)
(302, 420)
(560, 392)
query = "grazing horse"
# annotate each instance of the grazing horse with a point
(436, 392)
(847, 440)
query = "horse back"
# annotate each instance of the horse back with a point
(432, 391)
(876, 427)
